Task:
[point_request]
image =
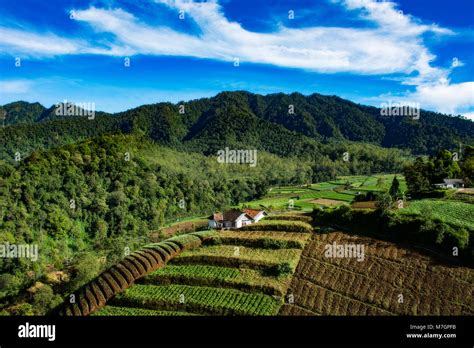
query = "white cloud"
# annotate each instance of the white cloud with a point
(456, 63)
(433, 88)
(395, 46)
(405, 29)
(15, 86)
(20, 41)
(321, 49)
(469, 115)
(446, 98)
(389, 18)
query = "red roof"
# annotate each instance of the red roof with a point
(216, 217)
(252, 212)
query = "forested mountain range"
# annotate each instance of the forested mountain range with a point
(240, 119)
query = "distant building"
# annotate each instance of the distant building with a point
(451, 183)
(235, 218)
(255, 214)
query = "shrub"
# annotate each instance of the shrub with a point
(268, 243)
(214, 241)
(23, 309)
(278, 269)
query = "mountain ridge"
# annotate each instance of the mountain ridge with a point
(241, 118)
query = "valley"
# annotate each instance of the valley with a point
(88, 192)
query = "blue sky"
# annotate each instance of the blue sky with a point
(368, 51)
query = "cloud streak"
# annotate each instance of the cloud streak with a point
(393, 47)
(15, 86)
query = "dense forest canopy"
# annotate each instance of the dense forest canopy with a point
(277, 123)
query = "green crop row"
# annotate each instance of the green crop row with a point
(204, 235)
(458, 213)
(197, 299)
(224, 277)
(290, 217)
(135, 311)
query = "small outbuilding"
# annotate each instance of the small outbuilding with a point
(451, 183)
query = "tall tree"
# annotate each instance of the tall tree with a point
(395, 191)
(417, 177)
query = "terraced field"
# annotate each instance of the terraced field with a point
(239, 256)
(96, 294)
(340, 191)
(276, 272)
(233, 273)
(389, 281)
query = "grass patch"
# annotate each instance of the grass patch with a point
(335, 196)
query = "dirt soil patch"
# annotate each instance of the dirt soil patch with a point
(364, 205)
(324, 201)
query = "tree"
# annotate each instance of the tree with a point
(395, 191)
(416, 176)
(443, 167)
(9, 284)
(384, 203)
(467, 165)
(87, 267)
(42, 299)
